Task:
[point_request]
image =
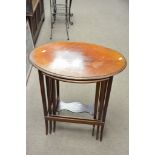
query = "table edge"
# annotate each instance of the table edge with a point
(78, 79)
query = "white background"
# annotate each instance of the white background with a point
(13, 77)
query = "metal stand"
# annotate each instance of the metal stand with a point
(61, 10)
(50, 90)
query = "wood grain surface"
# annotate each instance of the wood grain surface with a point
(77, 60)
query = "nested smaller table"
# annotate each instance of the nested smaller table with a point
(76, 62)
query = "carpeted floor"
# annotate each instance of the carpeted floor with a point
(102, 22)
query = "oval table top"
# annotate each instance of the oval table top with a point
(77, 60)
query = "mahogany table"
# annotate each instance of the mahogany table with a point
(76, 62)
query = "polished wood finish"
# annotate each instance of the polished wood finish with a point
(77, 61)
(49, 99)
(42, 88)
(54, 102)
(96, 104)
(74, 120)
(102, 97)
(106, 101)
(54, 105)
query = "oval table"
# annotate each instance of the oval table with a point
(76, 62)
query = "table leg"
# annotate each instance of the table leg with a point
(51, 101)
(42, 88)
(50, 107)
(101, 105)
(49, 98)
(106, 105)
(58, 93)
(54, 102)
(96, 104)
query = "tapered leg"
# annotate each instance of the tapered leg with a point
(106, 105)
(58, 93)
(48, 87)
(102, 97)
(50, 106)
(96, 104)
(54, 102)
(51, 101)
(43, 94)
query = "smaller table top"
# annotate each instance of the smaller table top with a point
(77, 60)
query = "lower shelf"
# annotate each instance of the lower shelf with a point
(76, 107)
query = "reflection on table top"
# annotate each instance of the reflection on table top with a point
(77, 60)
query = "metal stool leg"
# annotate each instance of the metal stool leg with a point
(70, 14)
(54, 10)
(67, 21)
(54, 7)
(51, 18)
